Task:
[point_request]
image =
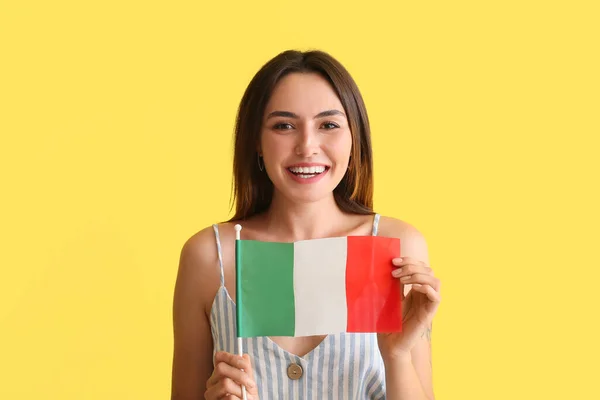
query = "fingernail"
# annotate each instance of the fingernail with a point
(399, 260)
(405, 278)
(397, 272)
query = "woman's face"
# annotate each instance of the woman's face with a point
(305, 138)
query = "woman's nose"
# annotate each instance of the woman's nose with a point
(308, 143)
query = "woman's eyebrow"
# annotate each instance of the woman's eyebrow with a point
(288, 114)
(329, 113)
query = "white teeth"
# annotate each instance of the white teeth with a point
(308, 170)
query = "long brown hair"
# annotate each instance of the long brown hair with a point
(252, 188)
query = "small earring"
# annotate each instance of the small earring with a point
(260, 167)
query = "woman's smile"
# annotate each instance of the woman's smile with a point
(307, 172)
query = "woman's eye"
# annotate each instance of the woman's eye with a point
(330, 125)
(283, 126)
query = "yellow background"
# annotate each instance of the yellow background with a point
(116, 120)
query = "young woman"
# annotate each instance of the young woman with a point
(302, 170)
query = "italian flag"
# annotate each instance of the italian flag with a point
(317, 287)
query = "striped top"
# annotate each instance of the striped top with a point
(344, 366)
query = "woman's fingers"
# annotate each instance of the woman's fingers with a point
(226, 371)
(248, 369)
(401, 261)
(230, 373)
(412, 271)
(233, 360)
(432, 294)
(423, 279)
(226, 387)
(410, 267)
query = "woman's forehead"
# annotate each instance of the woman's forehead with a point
(304, 94)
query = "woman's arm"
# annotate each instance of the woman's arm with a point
(196, 285)
(409, 375)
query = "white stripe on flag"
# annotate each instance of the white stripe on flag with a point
(320, 286)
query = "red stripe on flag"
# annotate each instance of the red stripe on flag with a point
(372, 293)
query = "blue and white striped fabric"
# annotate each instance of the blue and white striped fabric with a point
(345, 366)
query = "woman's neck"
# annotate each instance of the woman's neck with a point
(301, 221)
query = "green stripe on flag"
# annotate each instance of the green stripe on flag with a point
(265, 288)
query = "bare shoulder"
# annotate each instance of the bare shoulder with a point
(412, 241)
(198, 273)
(199, 264)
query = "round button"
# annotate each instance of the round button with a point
(294, 371)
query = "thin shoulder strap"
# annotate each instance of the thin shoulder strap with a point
(216, 228)
(375, 224)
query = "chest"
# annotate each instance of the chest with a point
(299, 346)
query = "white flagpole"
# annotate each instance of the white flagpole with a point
(238, 228)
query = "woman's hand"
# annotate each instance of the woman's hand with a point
(230, 373)
(418, 307)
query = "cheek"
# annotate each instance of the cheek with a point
(267, 143)
(343, 146)
(274, 147)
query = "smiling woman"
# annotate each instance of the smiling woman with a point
(276, 101)
(302, 170)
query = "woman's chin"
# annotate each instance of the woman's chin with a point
(306, 196)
